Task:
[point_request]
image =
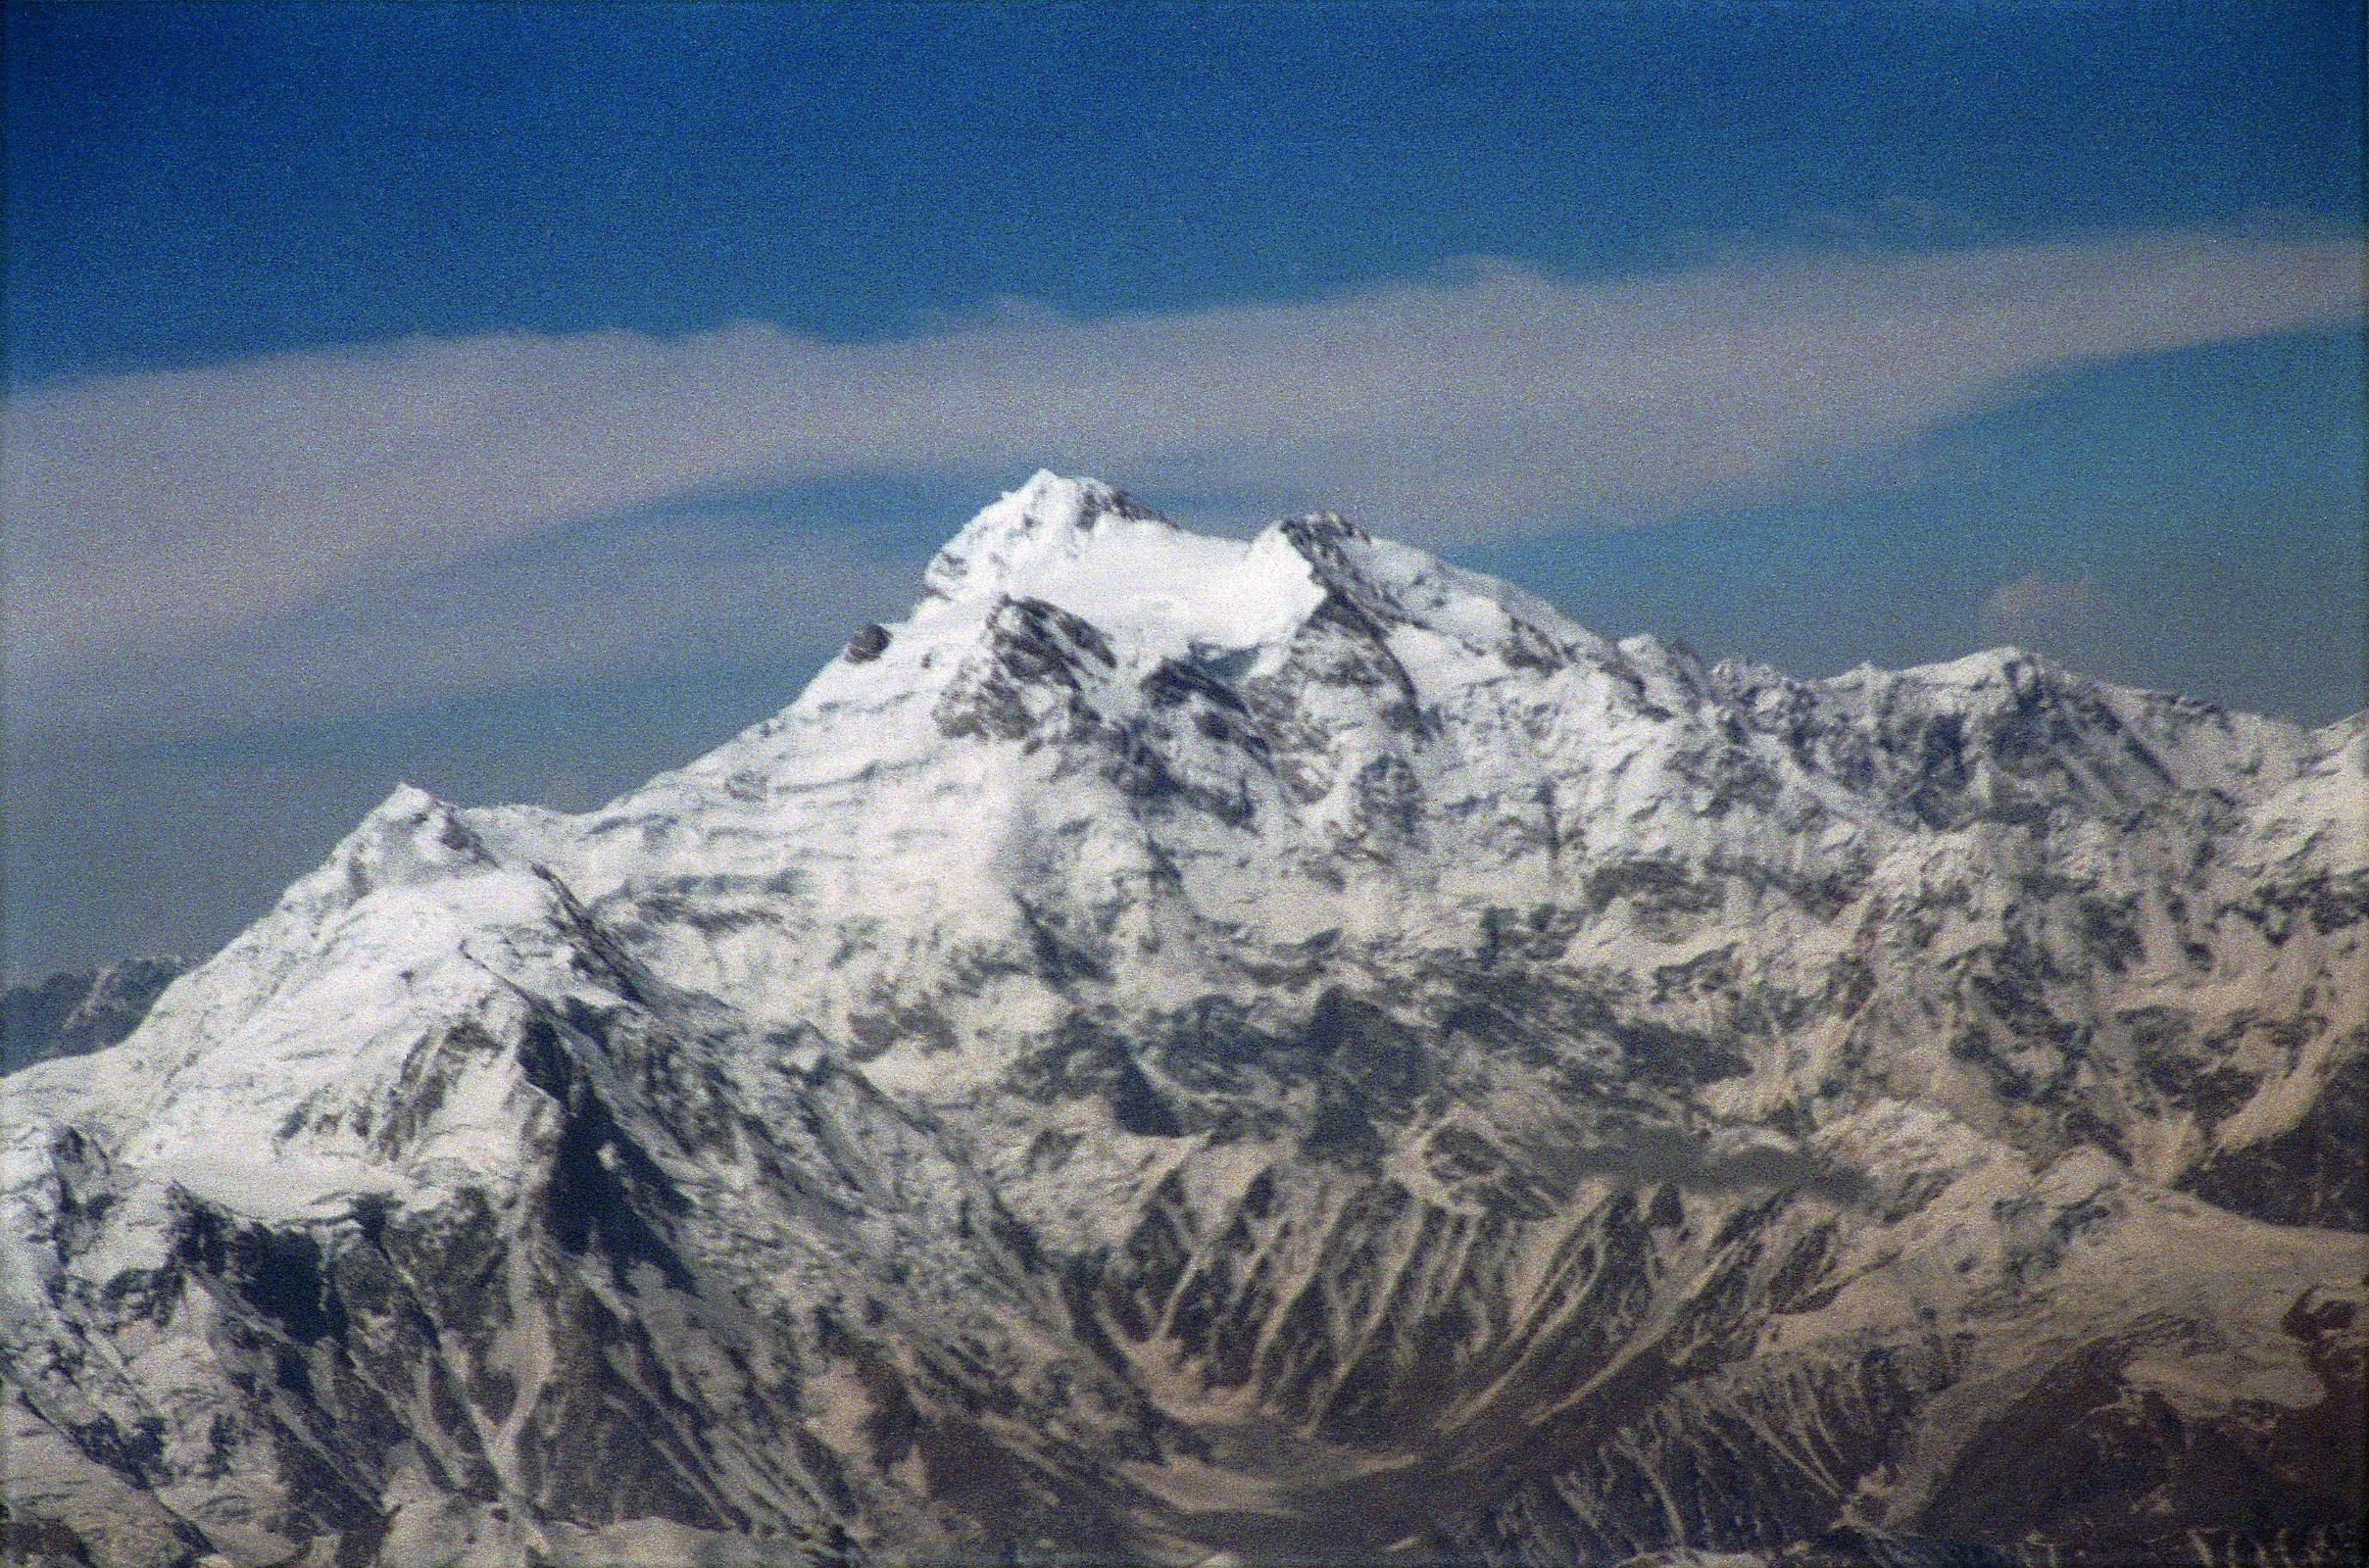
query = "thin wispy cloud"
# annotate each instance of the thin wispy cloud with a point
(2036, 607)
(157, 516)
(604, 601)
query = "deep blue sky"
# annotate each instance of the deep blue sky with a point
(190, 182)
(191, 187)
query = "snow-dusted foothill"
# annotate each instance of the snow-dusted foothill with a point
(1283, 1050)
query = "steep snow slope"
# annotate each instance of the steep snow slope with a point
(1283, 1049)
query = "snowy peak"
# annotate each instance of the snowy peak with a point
(410, 837)
(1160, 592)
(1187, 1049)
(1067, 611)
(1156, 591)
(1052, 518)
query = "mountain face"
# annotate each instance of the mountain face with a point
(1185, 1050)
(76, 1012)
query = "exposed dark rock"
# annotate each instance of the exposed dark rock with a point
(71, 1014)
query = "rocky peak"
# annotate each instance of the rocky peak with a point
(1049, 518)
(1324, 537)
(1035, 659)
(410, 837)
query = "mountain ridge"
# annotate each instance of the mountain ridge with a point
(1273, 1048)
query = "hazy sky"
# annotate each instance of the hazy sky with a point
(519, 400)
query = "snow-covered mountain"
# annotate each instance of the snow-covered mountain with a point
(1284, 1050)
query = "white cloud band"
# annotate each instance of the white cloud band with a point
(154, 512)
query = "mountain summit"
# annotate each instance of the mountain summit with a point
(1287, 1051)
